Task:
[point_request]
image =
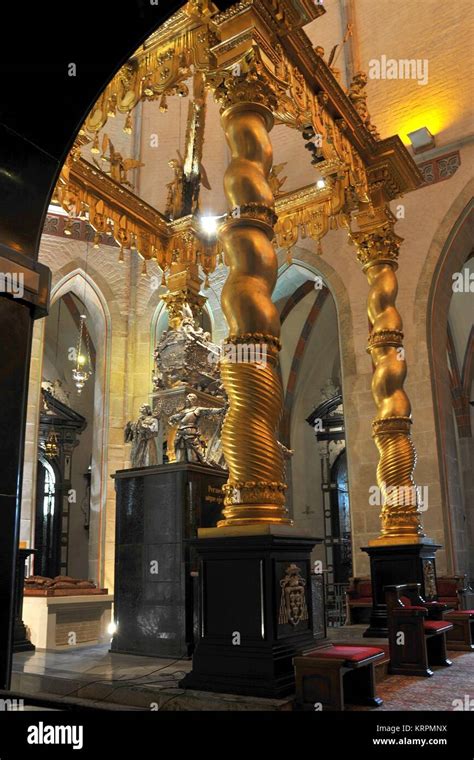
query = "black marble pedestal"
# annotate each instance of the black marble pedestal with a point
(248, 634)
(158, 508)
(21, 642)
(397, 564)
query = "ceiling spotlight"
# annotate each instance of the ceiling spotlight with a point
(321, 184)
(421, 140)
(209, 225)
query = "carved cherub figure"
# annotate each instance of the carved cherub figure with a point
(275, 181)
(118, 166)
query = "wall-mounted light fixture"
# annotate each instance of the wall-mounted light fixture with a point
(421, 140)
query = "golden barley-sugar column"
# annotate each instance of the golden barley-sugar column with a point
(255, 491)
(378, 250)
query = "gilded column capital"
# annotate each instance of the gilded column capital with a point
(243, 90)
(379, 246)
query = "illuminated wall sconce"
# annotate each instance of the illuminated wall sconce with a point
(421, 140)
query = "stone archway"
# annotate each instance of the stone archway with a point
(449, 250)
(355, 418)
(84, 287)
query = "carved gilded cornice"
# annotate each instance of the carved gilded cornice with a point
(283, 15)
(311, 212)
(113, 210)
(256, 51)
(402, 173)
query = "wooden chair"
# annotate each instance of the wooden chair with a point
(415, 641)
(461, 637)
(410, 596)
(327, 678)
(449, 589)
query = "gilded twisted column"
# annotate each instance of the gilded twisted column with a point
(378, 252)
(255, 491)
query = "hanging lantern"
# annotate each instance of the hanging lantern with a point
(83, 369)
(51, 448)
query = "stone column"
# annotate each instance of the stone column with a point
(378, 248)
(255, 492)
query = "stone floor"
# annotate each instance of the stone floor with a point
(148, 683)
(94, 676)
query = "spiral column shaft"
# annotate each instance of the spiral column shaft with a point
(255, 491)
(400, 515)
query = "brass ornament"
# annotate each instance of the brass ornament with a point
(293, 607)
(51, 445)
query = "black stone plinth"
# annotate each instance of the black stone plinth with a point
(21, 642)
(158, 508)
(397, 564)
(244, 647)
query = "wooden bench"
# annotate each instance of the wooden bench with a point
(415, 641)
(327, 678)
(461, 637)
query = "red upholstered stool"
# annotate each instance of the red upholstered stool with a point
(461, 637)
(328, 678)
